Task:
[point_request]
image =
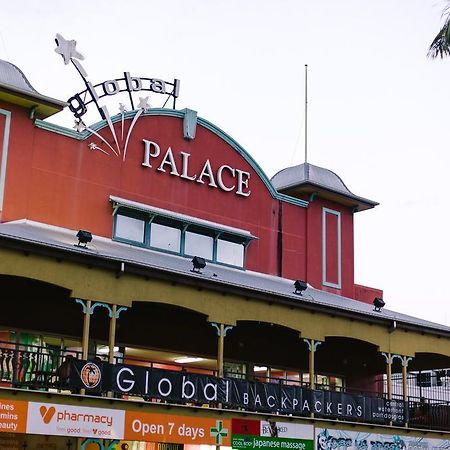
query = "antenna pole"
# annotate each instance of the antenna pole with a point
(306, 113)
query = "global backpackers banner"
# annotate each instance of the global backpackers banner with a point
(256, 434)
(53, 419)
(183, 387)
(329, 439)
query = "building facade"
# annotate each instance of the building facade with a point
(159, 290)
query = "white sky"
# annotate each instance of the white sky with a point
(378, 107)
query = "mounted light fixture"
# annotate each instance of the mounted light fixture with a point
(199, 263)
(84, 237)
(300, 286)
(378, 303)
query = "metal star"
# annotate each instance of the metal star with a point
(67, 49)
(79, 126)
(143, 103)
(122, 108)
(92, 146)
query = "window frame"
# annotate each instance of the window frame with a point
(185, 224)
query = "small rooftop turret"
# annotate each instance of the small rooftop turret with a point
(306, 179)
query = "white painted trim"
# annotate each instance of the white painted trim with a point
(4, 159)
(178, 216)
(337, 285)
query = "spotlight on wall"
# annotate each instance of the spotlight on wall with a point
(378, 303)
(300, 286)
(199, 263)
(84, 237)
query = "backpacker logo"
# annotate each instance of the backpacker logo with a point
(47, 413)
(91, 375)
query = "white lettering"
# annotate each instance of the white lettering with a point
(243, 178)
(148, 153)
(214, 388)
(111, 87)
(220, 180)
(318, 408)
(169, 159)
(190, 384)
(185, 167)
(129, 384)
(207, 171)
(272, 405)
(169, 384)
(245, 398)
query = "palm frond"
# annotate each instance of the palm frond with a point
(440, 46)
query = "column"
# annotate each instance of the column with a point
(114, 314)
(312, 347)
(222, 331)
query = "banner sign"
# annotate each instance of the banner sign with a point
(183, 387)
(13, 416)
(255, 434)
(176, 429)
(79, 421)
(51, 419)
(329, 439)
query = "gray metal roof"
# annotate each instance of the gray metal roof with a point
(309, 174)
(13, 76)
(55, 238)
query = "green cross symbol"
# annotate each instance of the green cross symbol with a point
(218, 432)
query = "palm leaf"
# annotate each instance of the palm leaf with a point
(440, 46)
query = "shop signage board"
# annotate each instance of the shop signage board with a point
(69, 420)
(330, 439)
(176, 429)
(51, 419)
(255, 434)
(13, 416)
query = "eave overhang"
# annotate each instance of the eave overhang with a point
(188, 278)
(40, 106)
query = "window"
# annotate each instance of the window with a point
(165, 237)
(196, 244)
(176, 233)
(230, 253)
(129, 228)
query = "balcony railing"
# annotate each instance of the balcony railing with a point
(41, 368)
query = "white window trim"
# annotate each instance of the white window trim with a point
(337, 285)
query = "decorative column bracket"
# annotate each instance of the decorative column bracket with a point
(403, 359)
(226, 328)
(312, 348)
(104, 305)
(83, 305)
(388, 357)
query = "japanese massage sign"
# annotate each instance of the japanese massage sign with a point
(80, 421)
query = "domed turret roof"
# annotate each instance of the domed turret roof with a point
(12, 75)
(307, 179)
(16, 89)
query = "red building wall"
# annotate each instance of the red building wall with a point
(58, 180)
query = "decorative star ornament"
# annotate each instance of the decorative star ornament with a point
(122, 108)
(79, 126)
(143, 103)
(93, 146)
(67, 49)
